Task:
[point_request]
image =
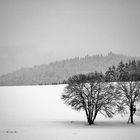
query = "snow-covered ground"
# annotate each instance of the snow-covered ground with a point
(38, 113)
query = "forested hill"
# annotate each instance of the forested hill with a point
(61, 70)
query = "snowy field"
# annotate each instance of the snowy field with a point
(38, 113)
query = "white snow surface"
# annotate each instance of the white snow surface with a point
(38, 113)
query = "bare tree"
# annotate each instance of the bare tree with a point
(129, 93)
(90, 93)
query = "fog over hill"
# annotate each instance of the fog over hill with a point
(61, 70)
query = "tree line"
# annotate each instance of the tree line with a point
(58, 71)
(111, 93)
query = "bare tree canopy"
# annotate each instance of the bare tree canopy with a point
(90, 93)
(129, 95)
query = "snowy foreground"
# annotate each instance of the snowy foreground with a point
(38, 113)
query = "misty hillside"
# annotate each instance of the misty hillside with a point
(61, 70)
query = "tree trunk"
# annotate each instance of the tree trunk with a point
(89, 118)
(87, 115)
(131, 115)
(94, 116)
(132, 121)
(90, 122)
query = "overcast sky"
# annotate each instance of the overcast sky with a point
(34, 32)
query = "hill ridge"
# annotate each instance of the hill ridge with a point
(58, 71)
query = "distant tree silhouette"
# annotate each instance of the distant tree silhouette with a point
(90, 93)
(111, 74)
(124, 72)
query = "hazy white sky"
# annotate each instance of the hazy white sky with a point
(34, 32)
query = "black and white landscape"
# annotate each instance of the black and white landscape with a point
(69, 69)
